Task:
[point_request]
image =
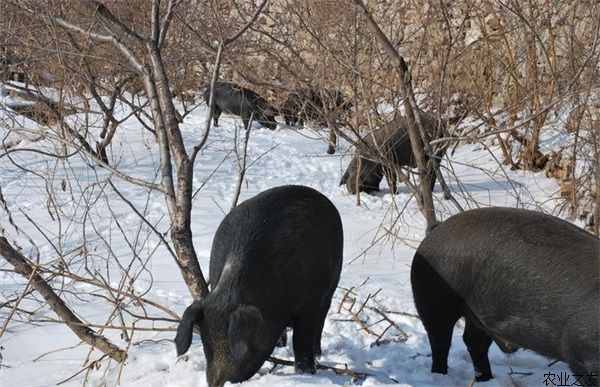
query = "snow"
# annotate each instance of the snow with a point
(378, 249)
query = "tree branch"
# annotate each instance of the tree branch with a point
(104, 13)
(22, 266)
(338, 371)
(105, 38)
(233, 37)
(167, 21)
(416, 131)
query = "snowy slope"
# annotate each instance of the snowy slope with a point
(378, 250)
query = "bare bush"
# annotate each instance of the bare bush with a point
(78, 102)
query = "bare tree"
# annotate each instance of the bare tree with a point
(57, 304)
(418, 136)
(138, 76)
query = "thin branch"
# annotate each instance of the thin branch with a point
(242, 165)
(112, 289)
(143, 218)
(234, 37)
(416, 130)
(23, 267)
(211, 104)
(130, 55)
(155, 21)
(167, 21)
(104, 326)
(104, 13)
(16, 304)
(86, 368)
(355, 375)
(56, 351)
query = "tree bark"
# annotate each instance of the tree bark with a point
(179, 199)
(415, 126)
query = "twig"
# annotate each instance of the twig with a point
(17, 302)
(367, 300)
(403, 335)
(109, 288)
(362, 324)
(56, 350)
(106, 326)
(133, 328)
(89, 366)
(344, 299)
(24, 268)
(402, 313)
(519, 373)
(355, 375)
(242, 164)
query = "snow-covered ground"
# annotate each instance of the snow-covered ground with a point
(378, 250)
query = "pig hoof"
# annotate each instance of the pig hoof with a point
(304, 368)
(439, 370)
(483, 378)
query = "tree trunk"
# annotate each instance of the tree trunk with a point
(413, 120)
(180, 199)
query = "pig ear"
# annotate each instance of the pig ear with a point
(192, 315)
(247, 330)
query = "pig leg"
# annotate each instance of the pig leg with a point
(439, 308)
(440, 337)
(320, 324)
(478, 343)
(216, 114)
(304, 338)
(248, 117)
(577, 346)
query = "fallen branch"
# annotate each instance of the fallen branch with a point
(402, 313)
(403, 335)
(23, 267)
(362, 324)
(518, 373)
(355, 375)
(344, 298)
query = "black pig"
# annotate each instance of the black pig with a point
(234, 99)
(308, 105)
(520, 278)
(293, 108)
(391, 142)
(275, 262)
(325, 107)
